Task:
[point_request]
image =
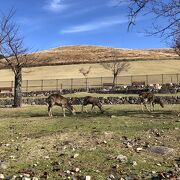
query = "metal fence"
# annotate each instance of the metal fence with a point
(57, 84)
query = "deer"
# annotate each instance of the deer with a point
(149, 97)
(57, 99)
(91, 100)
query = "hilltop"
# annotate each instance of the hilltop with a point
(97, 54)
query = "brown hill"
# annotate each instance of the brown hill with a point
(97, 54)
(92, 54)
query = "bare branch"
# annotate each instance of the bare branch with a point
(167, 11)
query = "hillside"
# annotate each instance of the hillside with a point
(94, 54)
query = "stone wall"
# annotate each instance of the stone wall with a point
(106, 100)
(165, 89)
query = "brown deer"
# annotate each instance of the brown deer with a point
(149, 97)
(92, 100)
(56, 99)
(157, 100)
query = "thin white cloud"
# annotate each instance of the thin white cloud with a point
(117, 3)
(55, 5)
(104, 23)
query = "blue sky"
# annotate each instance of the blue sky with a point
(51, 23)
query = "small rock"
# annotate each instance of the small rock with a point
(46, 157)
(3, 165)
(12, 157)
(68, 172)
(2, 176)
(7, 145)
(97, 171)
(105, 142)
(128, 145)
(34, 178)
(77, 170)
(11, 177)
(139, 149)
(161, 150)
(111, 176)
(26, 178)
(88, 178)
(75, 155)
(158, 164)
(121, 158)
(134, 163)
(113, 116)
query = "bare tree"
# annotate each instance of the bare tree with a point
(14, 53)
(166, 16)
(85, 72)
(116, 68)
(1, 56)
(176, 44)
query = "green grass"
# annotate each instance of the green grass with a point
(33, 135)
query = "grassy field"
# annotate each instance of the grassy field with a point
(88, 141)
(97, 70)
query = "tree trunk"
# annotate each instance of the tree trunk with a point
(114, 80)
(18, 88)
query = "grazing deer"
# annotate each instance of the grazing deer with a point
(92, 100)
(149, 97)
(56, 99)
(157, 100)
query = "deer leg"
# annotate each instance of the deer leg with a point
(147, 107)
(71, 110)
(85, 107)
(153, 106)
(92, 107)
(142, 107)
(82, 108)
(63, 109)
(100, 107)
(50, 111)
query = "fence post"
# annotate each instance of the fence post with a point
(86, 84)
(56, 84)
(71, 84)
(162, 79)
(42, 83)
(177, 78)
(147, 80)
(131, 79)
(27, 82)
(12, 84)
(101, 81)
